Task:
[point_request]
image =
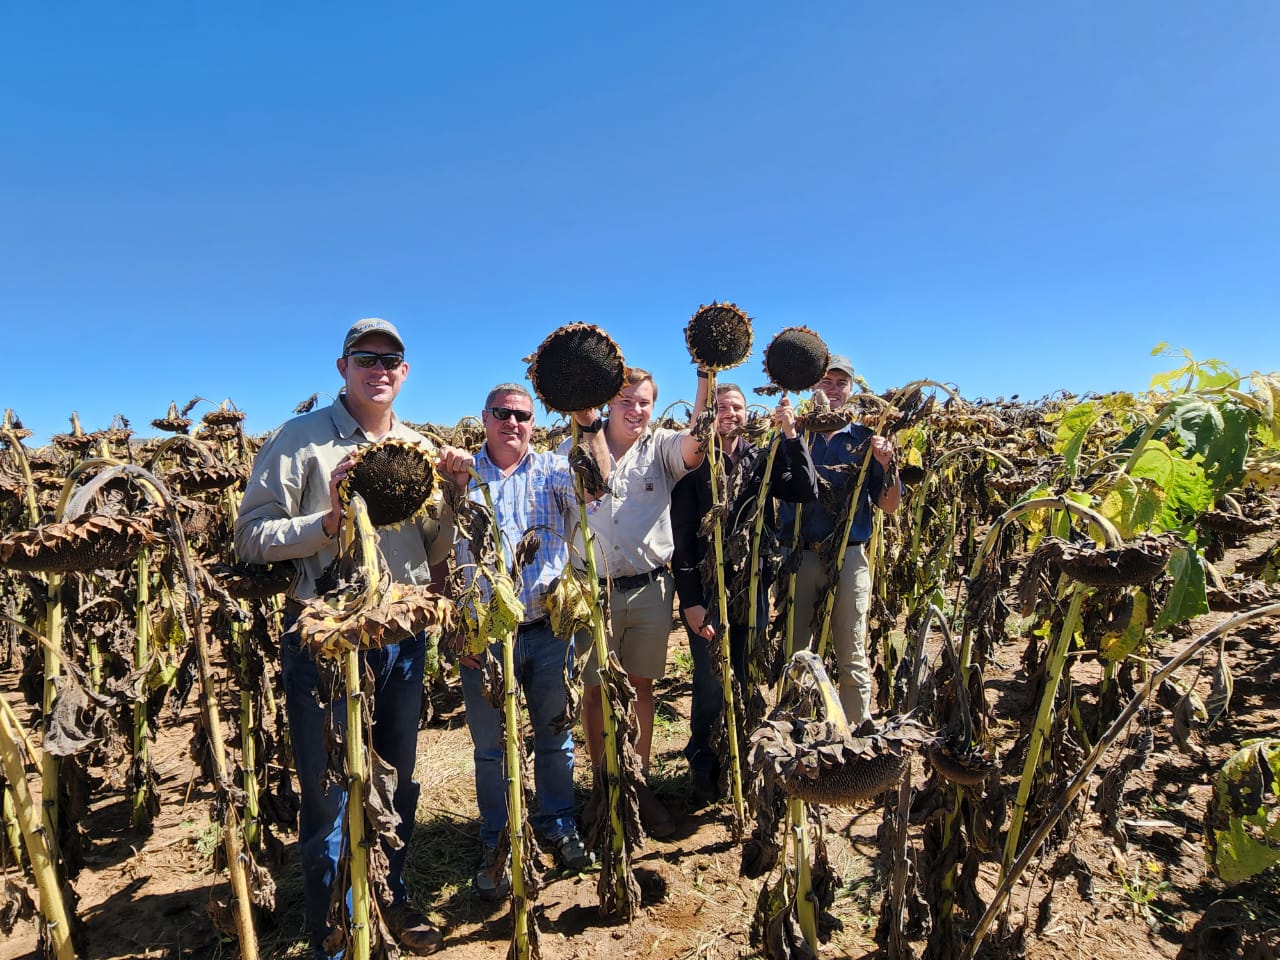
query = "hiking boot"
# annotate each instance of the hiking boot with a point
(412, 930)
(493, 879)
(571, 853)
(705, 786)
(657, 821)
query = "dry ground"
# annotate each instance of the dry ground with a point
(148, 897)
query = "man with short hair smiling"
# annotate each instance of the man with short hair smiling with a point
(530, 491)
(632, 530)
(291, 512)
(843, 448)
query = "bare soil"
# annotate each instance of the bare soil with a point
(148, 896)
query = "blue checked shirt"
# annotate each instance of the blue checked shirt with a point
(537, 495)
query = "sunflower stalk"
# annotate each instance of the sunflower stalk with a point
(12, 829)
(757, 533)
(789, 581)
(898, 946)
(718, 495)
(242, 640)
(35, 836)
(248, 743)
(356, 527)
(521, 901)
(620, 888)
(797, 809)
(1044, 718)
(51, 765)
(141, 655)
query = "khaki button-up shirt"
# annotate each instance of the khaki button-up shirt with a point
(282, 514)
(632, 527)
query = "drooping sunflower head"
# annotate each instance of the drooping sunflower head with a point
(796, 359)
(578, 367)
(719, 336)
(86, 543)
(395, 478)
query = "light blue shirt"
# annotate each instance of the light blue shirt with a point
(537, 495)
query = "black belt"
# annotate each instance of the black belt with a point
(540, 622)
(635, 580)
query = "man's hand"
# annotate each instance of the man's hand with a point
(456, 464)
(882, 450)
(784, 418)
(333, 519)
(696, 618)
(586, 418)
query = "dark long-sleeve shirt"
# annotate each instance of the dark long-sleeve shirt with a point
(843, 451)
(794, 480)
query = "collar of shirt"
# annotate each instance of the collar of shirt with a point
(348, 428)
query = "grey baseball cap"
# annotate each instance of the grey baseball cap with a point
(362, 328)
(840, 362)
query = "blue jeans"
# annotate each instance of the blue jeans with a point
(397, 705)
(706, 704)
(540, 661)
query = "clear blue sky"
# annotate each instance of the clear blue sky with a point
(199, 198)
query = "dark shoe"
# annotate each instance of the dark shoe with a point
(657, 821)
(493, 879)
(412, 930)
(571, 853)
(705, 784)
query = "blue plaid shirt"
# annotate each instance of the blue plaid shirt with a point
(537, 495)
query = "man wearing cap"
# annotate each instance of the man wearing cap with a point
(631, 525)
(530, 492)
(291, 512)
(844, 448)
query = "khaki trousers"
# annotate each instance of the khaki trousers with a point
(848, 624)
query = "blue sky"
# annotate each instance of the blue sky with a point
(198, 199)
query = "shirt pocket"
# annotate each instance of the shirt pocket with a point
(640, 484)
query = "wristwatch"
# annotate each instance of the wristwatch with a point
(595, 427)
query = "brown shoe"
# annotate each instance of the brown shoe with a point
(414, 932)
(657, 821)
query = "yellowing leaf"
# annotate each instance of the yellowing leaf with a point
(1116, 646)
(1242, 836)
(1132, 505)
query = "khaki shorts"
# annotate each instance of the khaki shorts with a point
(639, 625)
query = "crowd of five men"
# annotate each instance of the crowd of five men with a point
(645, 529)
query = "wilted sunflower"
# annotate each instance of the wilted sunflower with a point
(719, 336)
(796, 359)
(86, 543)
(578, 367)
(395, 478)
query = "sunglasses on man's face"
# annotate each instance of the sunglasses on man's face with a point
(368, 360)
(506, 413)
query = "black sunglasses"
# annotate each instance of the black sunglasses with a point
(506, 413)
(368, 360)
